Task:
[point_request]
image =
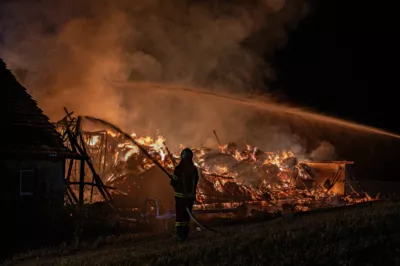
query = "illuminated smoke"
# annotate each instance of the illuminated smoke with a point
(73, 50)
(325, 151)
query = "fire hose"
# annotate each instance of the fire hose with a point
(145, 152)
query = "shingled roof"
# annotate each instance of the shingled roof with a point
(26, 130)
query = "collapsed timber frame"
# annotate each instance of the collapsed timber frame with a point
(93, 148)
(73, 136)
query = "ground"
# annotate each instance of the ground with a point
(358, 235)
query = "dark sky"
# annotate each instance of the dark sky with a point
(343, 60)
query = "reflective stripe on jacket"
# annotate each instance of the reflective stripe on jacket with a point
(182, 224)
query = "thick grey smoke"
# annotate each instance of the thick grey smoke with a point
(71, 52)
(325, 151)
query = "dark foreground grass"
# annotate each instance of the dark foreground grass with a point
(362, 235)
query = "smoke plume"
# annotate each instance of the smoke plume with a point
(325, 151)
(71, 52)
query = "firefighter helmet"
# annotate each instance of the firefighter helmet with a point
(186, 154)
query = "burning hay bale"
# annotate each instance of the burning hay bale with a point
(229, 176)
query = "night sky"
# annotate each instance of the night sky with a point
(343, 60)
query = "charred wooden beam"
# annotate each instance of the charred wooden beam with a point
(170, 155)
(98, 180)
(72, 194)
(80, 148)
(216, 136)
(336, 178)
(81, 182)
(69, 171)
(71, 201)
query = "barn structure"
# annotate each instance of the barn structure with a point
(32, 167)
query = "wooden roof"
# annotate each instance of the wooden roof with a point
(25, 129)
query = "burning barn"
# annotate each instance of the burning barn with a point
(231, 177)
(33, 155)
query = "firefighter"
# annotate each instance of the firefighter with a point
(184, 181)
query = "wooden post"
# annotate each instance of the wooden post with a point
(82, 182)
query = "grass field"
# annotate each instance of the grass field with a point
(357, 235)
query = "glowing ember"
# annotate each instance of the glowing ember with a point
(94, 140)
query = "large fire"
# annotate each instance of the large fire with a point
(229, 176)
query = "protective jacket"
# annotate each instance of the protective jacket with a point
(185, 179)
